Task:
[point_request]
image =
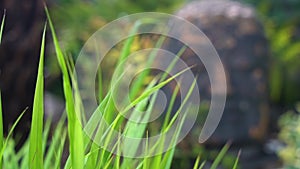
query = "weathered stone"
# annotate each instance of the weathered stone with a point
(239, 39)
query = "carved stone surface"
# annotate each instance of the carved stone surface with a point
(239, 39)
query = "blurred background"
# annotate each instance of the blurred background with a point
(271, 37)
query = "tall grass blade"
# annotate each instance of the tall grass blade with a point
(9, 157)
(74, 125)
(11, 131)
(137, 130)
(128, 43)
(202, 165)
(2, 25)
(146, 160)
(138, 84)
(237, 160)
(150, 91)
(1, 120)
(167, 160)
(23, 156)
(36, 130)
(197, 163)
(55, 143)
(1, 130)
(157, 159)
(220, 156)
(46, 134)
(59, 150)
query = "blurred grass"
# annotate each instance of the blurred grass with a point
(38, 152)
(282, 25)
(1, 119)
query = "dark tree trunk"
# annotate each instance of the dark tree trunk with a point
(19, 53)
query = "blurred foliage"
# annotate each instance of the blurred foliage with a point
(290, 134)
(79, 19)
(282, 26)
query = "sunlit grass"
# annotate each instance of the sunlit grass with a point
(37, 152)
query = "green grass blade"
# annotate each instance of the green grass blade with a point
(23, 155)
(74, 127)
(2, 25)
(92, 156)
(173, 63)
(100, 85)
(55, 142)
(146, 160)
(1, 120)
(220, 156)
(202, 165)
(138, 84)
(108, 163)
(99, 77)
(1, 130)
(150, 91)
(196, 163)
(60, 150)
(237, 160)
(144, 95)
(11, 131)
(118, 157)
(126, 49)
(170, 107)
(46, 134)
(137, 130)
(36, 130)
(9, 157)
(157, 159)
(167, 160)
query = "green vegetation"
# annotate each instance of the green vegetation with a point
(290, 134)
(43, 150)
(76, 27)
(282, 25)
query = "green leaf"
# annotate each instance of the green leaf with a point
(36, 130)
(202, 165)
(1, 130)
(137, 130)
(10, 132)
(56, 141)
(1, 120)
(196, 163)
(74, 125)
(237, 160)
(2, 25)
(220, 156)
(60, 149)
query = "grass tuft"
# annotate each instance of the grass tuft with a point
(74, 127)
(38, 153)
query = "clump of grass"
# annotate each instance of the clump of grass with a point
(84, 153)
